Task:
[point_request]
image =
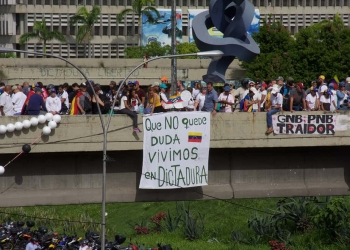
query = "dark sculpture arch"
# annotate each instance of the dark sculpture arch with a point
(236, 42)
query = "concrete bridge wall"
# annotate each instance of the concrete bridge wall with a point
(55, 71)
(66, 167)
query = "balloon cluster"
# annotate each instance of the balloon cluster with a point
(52, 120)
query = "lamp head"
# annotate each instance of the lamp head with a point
(6, 50)
(214, 54)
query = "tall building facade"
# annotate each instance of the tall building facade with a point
(110, 38)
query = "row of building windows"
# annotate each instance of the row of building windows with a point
(81, 51)
(108, 25)
(180, 3)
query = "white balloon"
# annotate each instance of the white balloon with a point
(18, 125)
(34, 121)
(49, 116)
(52, 124)
(46, 130)
(57, 118)
(26, 123)
(41, 119)
(3, 129)
(2, 170)
(10, 127)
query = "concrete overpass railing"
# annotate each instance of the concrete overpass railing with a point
(66, 166)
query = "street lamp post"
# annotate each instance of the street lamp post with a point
(214, 54)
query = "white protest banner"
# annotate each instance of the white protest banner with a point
(304, 124)
(175, 150)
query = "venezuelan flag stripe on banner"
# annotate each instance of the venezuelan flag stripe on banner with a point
(194, 137)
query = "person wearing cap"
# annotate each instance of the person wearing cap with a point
(162, 94)
(342, 97)
(296, 99)
(276, 106)
(248, 100)
(211, 99)
(312, 100)
(44, 92)
(53, 103)
(6, 105)
(164, 79)
(347, 81)
(322, 85)
(314, 85)
(18, 100)
(36, 102)
(226, 100)
(263, 95)
(131, 85)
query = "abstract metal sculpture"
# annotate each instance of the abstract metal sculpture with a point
(232, 18)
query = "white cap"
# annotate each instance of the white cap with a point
(347, 79)
(253, 89)
(155, 84)
(274, 91)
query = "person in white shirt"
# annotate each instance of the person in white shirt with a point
(63, 95)
(263, 94)
(18, 100)
(322, 85)
(256, 98)
(312, 100)
(276, 105)
(200, 99)
(6, 106)
(334, 98)
(53, 103)
(196, 90)
(226, 100)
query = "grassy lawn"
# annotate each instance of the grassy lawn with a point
(220, 219)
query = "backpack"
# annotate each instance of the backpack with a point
(87, 103)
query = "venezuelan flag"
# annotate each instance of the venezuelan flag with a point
(194, 137)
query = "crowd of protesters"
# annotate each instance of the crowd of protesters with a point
(271, 97)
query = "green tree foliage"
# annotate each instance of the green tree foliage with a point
(8, 55)
(139, 8)
(42, 33)
(322, 49)
(319, 49)
(156, 49)
(275, 44)
(86, 21)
